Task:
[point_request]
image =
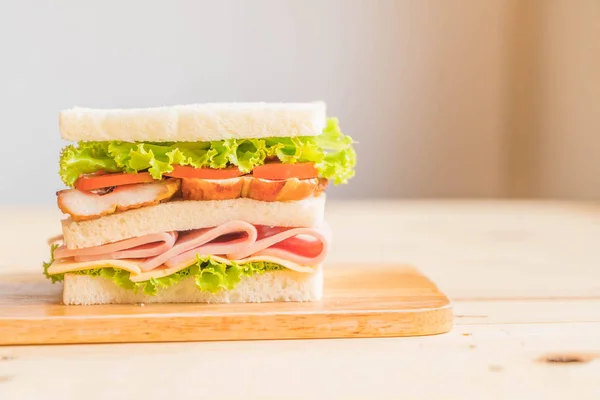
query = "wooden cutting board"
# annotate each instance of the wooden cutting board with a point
(358, 301)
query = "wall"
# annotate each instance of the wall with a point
(438, 93)
(553, 131)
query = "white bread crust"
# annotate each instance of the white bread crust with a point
(194, 122)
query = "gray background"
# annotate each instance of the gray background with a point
(459, 98)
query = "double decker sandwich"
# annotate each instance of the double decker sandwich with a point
(207, 203)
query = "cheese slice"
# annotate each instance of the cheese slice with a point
(64, 266)
(163, 271)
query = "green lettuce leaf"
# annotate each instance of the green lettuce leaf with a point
(209, 275)
(53, 278)
(87, 158)
(332, 153)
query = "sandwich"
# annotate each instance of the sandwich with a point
(200, 203)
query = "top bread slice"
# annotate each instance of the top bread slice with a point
(194, 122)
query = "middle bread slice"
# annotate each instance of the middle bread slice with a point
(187, 215)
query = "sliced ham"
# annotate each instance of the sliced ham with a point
(303, 246)
(140, 247)
(221, 239)
(298, 249)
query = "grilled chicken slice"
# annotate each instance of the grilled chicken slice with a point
(211, 189)
(253, 188)
(290, 189)
(82, 205)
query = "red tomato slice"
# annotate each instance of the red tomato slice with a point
(278, 171)
(180, 171)
(93, 182)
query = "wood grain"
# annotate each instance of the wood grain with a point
(359, 301)
(501, 361)
(523, 278)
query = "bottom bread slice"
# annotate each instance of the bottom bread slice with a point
(284, 285)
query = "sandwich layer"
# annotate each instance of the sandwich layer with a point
(233, 242)
(190, 215)
(194, 122)
(329, 154)
(82, 205)
(215, 258)
(284, 285)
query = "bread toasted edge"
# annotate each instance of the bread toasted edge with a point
(194, 122)
(272, 286)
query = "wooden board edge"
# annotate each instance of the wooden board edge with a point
(189, 328)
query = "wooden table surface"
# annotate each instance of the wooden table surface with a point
(524, 278)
